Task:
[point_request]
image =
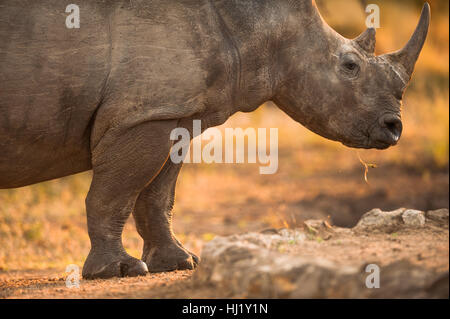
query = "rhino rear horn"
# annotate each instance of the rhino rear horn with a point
(367, 40)
(410, 52)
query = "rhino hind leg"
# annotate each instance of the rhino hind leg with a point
(124, 162)
(153, 216)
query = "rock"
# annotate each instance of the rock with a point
(440, 216)
(245, 266)
(378, 220)
(317, 225)
(251, 266)
(439, 287)
(319, 228)
(389, 222)
(413, 218)
(403, 279)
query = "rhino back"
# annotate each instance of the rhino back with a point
(170, 60)
(129, 62)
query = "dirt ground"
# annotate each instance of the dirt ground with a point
(252, 210)
(427, 247)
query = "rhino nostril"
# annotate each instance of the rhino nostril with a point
(394, 125)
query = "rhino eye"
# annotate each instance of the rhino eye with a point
(351, 66)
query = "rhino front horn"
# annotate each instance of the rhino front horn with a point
(410, 53)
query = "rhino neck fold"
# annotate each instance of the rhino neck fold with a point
(263, 37)
(250, 30)
(306, 47)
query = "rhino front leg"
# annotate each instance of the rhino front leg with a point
(153, 216)
(124, 162)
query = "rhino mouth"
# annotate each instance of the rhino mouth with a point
(374, 141)
(379, 145)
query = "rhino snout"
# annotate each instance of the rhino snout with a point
(388, 132)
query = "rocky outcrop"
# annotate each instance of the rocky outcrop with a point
(439, 216)
(388, 222)
(253, 266)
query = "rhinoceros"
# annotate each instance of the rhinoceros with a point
(106, 96)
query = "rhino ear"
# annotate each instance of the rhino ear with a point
(367, 40)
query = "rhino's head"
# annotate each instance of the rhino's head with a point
(339, 89)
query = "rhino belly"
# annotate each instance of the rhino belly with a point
(51, 82)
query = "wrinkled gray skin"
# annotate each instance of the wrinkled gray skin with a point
(106, 97)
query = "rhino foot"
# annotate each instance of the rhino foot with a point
(100, 266)
(169, 258)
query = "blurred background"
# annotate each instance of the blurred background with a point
(44, 226)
